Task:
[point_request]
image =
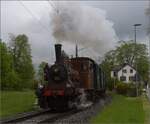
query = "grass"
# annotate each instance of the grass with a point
(146, 107)
(122, 110)
(13, 102)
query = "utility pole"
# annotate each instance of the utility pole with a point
(136, 82)
(147, 13)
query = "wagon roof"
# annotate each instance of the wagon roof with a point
(83, 58)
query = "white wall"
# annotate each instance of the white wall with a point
(127, 74)
(112, 74)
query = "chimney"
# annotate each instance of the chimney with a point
(58, 52)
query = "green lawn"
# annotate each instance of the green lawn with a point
(13, 102)
(146, 107)
(122, 110)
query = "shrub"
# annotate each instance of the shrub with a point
(122, 88)
(131, 90)
(128, 89)
(110, 84)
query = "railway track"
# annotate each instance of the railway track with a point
(59, 116)
(41, 117)
(24, 116)
(49, 117)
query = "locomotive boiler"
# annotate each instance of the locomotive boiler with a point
(71, 82)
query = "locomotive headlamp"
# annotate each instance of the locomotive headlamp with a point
(68, 85)
(56, 70)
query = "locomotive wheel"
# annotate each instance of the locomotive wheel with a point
(42, 102)
(58, 103)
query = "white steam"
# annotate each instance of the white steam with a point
(85, 25)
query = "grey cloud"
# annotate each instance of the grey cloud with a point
(15, 19)
(126, 13)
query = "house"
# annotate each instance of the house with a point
(125, 73)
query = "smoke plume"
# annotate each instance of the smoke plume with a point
(84, 25)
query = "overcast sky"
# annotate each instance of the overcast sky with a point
(32, 18)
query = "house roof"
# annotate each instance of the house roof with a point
(119, 67)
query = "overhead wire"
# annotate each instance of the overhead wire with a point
(53, 6)
(33, 16)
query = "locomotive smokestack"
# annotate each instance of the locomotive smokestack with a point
(58, 52)
(76, 50)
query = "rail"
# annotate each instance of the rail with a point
(23, 116)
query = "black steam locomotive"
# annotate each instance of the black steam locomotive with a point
(71, 82)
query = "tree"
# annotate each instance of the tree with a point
(22, 60)
(107, 65)
(127, 52)
(9, 77)
(143, 67)
(135, 55)
(41, 71)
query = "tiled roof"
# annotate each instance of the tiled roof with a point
(119, 67)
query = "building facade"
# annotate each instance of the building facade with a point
(125, 73)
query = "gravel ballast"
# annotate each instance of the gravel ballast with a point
(85, 116)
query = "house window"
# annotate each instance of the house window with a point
(131, 78)
(122, 78)
(124, 71)
(115, 74)
(131, 70)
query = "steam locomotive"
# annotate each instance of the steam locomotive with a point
(71, 82)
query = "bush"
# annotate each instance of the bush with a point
(122, 88)
(128, 89)
(131, 90)
(110, 84)
(10, 81)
